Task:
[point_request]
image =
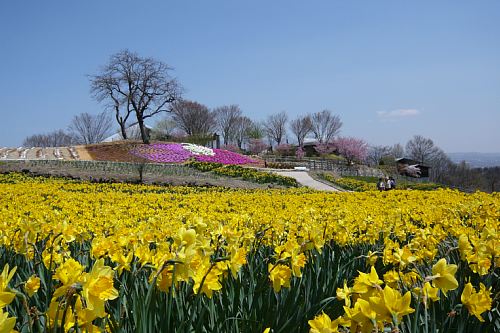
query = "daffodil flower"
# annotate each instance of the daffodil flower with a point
(345, 294)
(6, 296)
(98, 287)
(443, 276)
(476, 302)
(32, 285)
(323, 324)
(397, 305)
(280, 276)
(365, 283)
(6, 323)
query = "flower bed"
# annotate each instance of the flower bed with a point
(248, 174)
(181, 152)
(83, 257)
(163, 152)
(225, 157)
(198, 150)
(362, 184)
(350, 184)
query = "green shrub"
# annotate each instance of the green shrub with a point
(366, 179)
(203, 166)
(279, 165)
(367, 183)
(248, 174)
(350, 184)
(427, 186)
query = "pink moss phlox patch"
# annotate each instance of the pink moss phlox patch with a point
(176, 153)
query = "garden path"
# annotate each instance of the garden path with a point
(304, 179)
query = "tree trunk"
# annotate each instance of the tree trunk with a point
(300, 142)
(144, 133)
(123, 129)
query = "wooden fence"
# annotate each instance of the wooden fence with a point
(312, 164)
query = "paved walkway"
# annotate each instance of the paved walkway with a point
(304, 179)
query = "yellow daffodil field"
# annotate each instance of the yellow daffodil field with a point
(88, 257)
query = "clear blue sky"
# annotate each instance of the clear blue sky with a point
(390, 69)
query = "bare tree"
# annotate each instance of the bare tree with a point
(301, 126)
(256, 131)
(424, 151)
(131, 84)
(421, 149)
(325, 126)
(397, 150)
(440, 165)
(36, 140)
(193, 118)
(275, 126)
(491, 178)
(226, 119)
(164, 129)
(243, 128)
(466, 178)
(57, 138)
(88, 129)
(376, 153)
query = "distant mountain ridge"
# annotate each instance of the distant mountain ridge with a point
(476, 160)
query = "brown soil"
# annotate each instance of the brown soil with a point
(83, 154)
(118, 151)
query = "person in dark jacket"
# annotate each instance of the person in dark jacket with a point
(381, 184)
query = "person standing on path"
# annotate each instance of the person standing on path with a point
(393, 183)
(381, 184)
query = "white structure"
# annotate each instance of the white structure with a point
(133, 133)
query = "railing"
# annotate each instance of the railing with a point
(312, 164)
(340, 167)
